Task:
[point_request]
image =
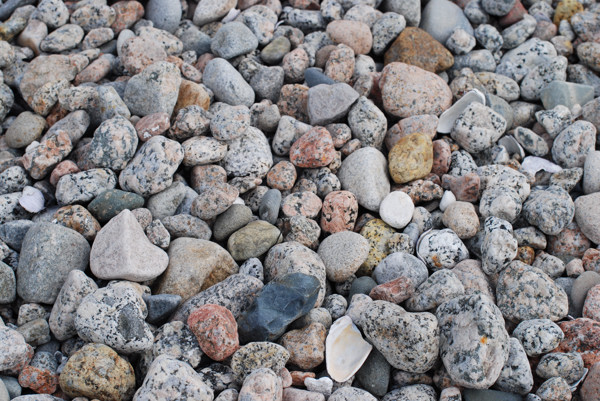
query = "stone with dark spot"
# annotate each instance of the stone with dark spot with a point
(114, 316)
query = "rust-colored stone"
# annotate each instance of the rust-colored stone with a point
(42, 381)
(313, 149)
(396, 291)
(416, 47)
(216, 330)
(583, 336)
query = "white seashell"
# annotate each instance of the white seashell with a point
(447, 119)
(345, 349)
(512, 146)
(533, 164)
(425, 234)
(32, 199)
(233, 13)
(447, 199)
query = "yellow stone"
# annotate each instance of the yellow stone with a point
(566, 9)
(411, 158)
(379, 234)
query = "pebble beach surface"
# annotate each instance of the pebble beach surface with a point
(299, 200)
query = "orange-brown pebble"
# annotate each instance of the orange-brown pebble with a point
(340, 64)
(127, 14)
(591, 260)
(94, 72)
(293, 102)
(299, 376)
(313, 149)
(525, 254)
(395, 291)
(63, 168)
(286, 378)
(191, 93)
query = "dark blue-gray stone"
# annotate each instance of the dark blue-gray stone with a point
(566, 93)
(160, 307)
(374, 374)
(13, 232)
(362, 285)
(489, 395)
(279, 303)
(314, 76)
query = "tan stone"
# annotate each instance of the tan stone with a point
(411, 158)
(195, 265)
(98, 372)
(191, 93)
(355, 34)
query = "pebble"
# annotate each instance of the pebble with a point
(569, 366)
(343, 253)
(364, 173)
(538, 336)
(216, 330)
(408, 90)
(186, 275)
(440, 17)
(180, 378)
(397, 209)
(151, 169)
(67, 250)
(416, 47)
(355, 34)
(97, 370)
(153, 90)
(545, 300)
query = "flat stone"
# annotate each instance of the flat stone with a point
(566, 93)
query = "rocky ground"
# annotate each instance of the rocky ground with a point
(303, 200)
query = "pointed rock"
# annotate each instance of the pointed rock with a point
(122, 251)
